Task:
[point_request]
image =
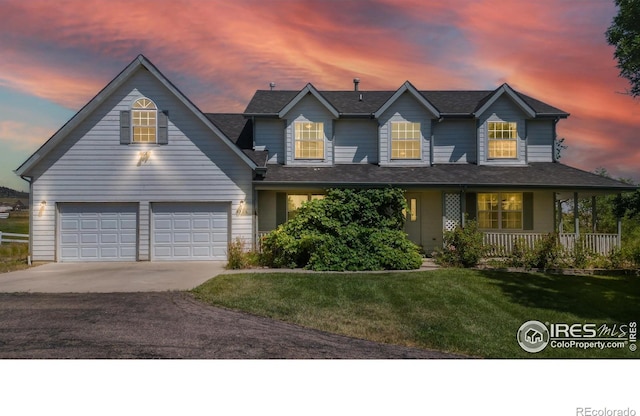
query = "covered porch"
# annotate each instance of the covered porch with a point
(566, 205)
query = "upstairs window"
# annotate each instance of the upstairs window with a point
(144, 121)
(405, 140)
(500, 211)
(503, 140)
(309, 140)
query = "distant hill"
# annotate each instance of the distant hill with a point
(12, 193)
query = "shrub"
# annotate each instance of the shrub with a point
(347, 230)
(238, 257)
(463, 247)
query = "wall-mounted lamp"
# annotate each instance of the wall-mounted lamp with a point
(242, 209)
(144, 157)
(43, 204)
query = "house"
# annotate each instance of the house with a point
(140, 173)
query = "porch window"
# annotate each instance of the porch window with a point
(309, 140)
(503, 140)
(295, 201)
(405, 140)
(500, 211)
(144, 121)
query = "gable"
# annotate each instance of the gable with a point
(87, 112)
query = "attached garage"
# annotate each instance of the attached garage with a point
(98, 232)
(189, 231)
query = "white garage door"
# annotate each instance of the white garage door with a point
(98, 232)
(190, 231)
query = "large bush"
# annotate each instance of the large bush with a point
(347, 230)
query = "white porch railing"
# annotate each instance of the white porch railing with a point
(259, 238)
(13, 238)
(501, 244)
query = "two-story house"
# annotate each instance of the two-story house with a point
(140, 173)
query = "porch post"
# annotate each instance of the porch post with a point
(559, 217)
(619, 220)
(594, 215)
(576, 217)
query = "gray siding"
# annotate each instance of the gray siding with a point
(540, 140)
(502, 110)
(90, 165)
(309, 109)
(356, 141)
(405, 108)
(454, 141)
(270, 133)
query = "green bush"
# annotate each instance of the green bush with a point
(347, 230)
(463, 247)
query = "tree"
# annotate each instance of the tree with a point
(624, 34)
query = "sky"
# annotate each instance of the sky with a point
(57, 55)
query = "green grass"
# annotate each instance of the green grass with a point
(471, 312)
(18, 223)
(13, 256)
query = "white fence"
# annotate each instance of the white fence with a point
(502, 244)
(13, 238)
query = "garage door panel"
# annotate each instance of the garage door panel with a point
(98, 232)
(189, 231)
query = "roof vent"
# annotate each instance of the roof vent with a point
(356, 81)
(272, 85)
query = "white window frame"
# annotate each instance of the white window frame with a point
(144, 117)
(505, 210)
(402, 134)
(504, 135)
(307, 133)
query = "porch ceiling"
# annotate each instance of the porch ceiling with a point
(553, 176)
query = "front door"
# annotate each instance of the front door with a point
(412, 224)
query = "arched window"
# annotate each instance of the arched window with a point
(144, 121)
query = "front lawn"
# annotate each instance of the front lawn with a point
(471, 312)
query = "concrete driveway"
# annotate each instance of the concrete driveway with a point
(110, 277)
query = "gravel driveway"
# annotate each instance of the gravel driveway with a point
(163, 325)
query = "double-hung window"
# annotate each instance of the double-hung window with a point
(295, 201)
(405, 140)
(144, 121)
(309, 140)
(500, 211)
(503, 140)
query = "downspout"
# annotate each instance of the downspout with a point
(29, 180)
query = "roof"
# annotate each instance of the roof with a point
(547, 175)
(139, 62)
(453, 102)
(239, 129)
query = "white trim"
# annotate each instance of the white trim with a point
(407, 87)
(309, 89)
(506, 89)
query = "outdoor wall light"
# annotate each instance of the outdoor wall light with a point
(242, 208)
(144, 157)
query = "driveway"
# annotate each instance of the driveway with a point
(110, 277)
(163, 325)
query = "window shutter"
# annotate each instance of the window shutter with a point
(527, 211)
(125, 128)
(281, 208)
(163, 127)
(471, 201)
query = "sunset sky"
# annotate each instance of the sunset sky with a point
(56, 55)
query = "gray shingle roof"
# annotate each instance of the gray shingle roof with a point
(240, 130)
(265, 102)
(536, 175)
